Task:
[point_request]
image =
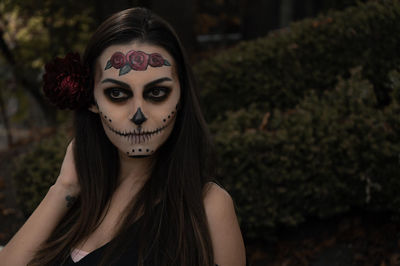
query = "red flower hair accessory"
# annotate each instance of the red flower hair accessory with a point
(135, 60)
(66, 82)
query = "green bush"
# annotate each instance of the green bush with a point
(276, 71)
(299, 134)
(330, 154)
(36, 170)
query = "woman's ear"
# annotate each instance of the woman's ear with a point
(94, 108)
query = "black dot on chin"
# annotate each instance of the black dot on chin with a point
(140, 149)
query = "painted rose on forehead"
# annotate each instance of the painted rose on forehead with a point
(136, 60)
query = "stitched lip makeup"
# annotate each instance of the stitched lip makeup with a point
(137, 141)
(137, 136)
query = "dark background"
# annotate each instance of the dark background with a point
(32, 32)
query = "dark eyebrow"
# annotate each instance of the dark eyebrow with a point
(120, 83)
(154, 82)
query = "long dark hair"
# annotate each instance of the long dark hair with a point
(174, 232)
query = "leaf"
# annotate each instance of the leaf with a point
(125, 69)
(108, 65)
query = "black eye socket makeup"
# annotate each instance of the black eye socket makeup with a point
(157, 94)
(116, 94)
(152, 90)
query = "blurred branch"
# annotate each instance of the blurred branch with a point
(3, 113)
(5, 50)
(30, 86)
(9, 57)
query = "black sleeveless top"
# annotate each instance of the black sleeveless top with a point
(128, 257)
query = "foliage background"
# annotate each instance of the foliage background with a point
(305, 115)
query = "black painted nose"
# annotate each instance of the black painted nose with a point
(139, 117)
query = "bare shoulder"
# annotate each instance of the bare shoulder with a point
(215, 196)
(224, 228)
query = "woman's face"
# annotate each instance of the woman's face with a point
(137, 92)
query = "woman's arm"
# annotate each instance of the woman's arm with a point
(23, 246)
(224, 228)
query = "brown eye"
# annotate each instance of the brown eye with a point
(157, 94)
(117, 94)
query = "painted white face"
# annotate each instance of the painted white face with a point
(137, 92)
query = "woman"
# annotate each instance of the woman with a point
(138, 165)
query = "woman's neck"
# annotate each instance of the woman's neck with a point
(134, 170)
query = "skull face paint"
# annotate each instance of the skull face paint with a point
(138, 107)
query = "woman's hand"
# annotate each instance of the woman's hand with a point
(68, 178)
